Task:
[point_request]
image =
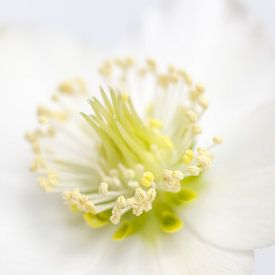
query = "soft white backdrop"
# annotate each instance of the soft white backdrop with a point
(105, 22)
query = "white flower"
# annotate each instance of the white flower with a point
(232, 215)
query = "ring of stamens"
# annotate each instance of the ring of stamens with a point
(140, 160)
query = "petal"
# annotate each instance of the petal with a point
(237, 208)
(68, 246)
(184, 253)
(31, 65)
(220, 44)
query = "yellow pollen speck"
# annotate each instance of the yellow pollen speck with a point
(196, 129)
(192, 116)
(200, 88)
(203, 102)
(186, 77)
(188, 156)
(218, 140)
(66, 87)
(147, 179)
(103, 188)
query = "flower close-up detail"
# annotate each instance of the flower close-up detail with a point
(156, 158)
(120, 163)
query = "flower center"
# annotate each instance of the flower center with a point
(139, 162)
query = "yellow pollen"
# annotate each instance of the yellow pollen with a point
(186, 77)
(203, 102)
(103, 188)
(79, 200)
(188, 156)
(200, 88)
(218, 140)
(171, 180)
(192, 116)
(193, 170)
(147, 179)
(74, 86)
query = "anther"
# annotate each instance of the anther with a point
(147, 179)
(103, 188)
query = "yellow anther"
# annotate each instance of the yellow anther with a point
(48, 182)
(106, 69)
(171, 180)
(82, 202)
(192, 116)
(66, 87)
(203, 151)
(186, 77)
(155, 123)
(142, 201)
(204, 161)
(121, 202)
(193, 170)
(196, 129)
(147, 179)
(194, 95)
(124, 64)
(38, 163)
(188, 156)
(43, 119)
(151, 64)
(218, 140)
(200, 88)
(203, 102)
(31, 137)
(74, 86)
(103, 188)
(164, 80)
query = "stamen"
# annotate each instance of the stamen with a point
(147, 179)
(188, 156)
(103, 188)
(79, 200)
(171, 180)
(142, 201)
(218, 140)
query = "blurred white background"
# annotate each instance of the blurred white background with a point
(105, 23)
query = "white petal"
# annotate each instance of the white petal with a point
(68, 246)
(32, 63)
(219, 43)
(237, 208)
(184, 253)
